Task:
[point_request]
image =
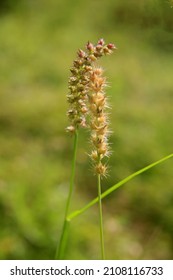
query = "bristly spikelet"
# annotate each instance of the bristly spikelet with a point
(79, 82)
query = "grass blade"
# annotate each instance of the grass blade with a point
(116, 186)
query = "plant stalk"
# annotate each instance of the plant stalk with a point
(101, 219)
(64, 235)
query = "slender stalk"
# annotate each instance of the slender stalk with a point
(101, 219)
(63, 241)
(64, 235)
(72, 174)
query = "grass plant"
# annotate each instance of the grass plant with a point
(36, 154)
(86, 95)
(88, 106)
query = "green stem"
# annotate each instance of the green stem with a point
(72, 174)
(64, 235)
(116, 186)
(101, 219)
(63, 241)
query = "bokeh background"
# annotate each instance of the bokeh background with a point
(38, 42)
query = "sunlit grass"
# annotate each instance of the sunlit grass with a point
(36, 46)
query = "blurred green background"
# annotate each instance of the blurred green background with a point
(38, 42)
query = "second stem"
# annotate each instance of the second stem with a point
(101, 218)
(63, 239)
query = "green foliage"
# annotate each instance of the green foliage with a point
(38, 41)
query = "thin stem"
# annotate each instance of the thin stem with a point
(63, 241)
(72, 174)
(101, 219)
(64, 235)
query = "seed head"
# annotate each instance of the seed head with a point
(87, 96)
(98, 120)
(83, 79)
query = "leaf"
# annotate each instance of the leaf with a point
(116, 186)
